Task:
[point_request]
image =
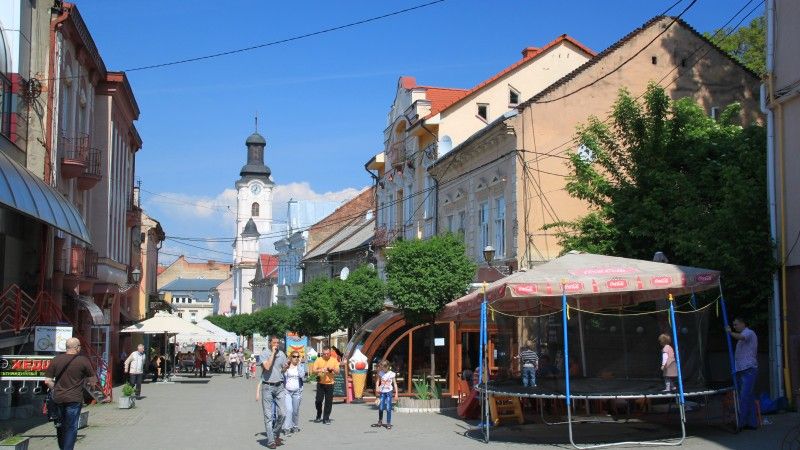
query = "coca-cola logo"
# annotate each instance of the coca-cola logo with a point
(617, 284)
(573, 286)
(705, 277)
(661, 281)
(525, 289)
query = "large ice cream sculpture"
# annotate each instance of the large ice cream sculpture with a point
(358, 370)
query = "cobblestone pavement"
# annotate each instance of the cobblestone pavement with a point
(221, 412)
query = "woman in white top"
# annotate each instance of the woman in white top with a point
(293, 378)
(233, 360)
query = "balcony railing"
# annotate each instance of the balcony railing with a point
(79, 262)
(397, 154)
(74, 154)
(91, 174)
(385, 235)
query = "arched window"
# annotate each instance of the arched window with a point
(254, 210)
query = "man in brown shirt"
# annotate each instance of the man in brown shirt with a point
(72, 370)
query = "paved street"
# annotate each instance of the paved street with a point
(220, 412)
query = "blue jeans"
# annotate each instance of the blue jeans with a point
(746, 381)
(273, 423)
(529, 376)
(385, 405)
(293, 409)
(67, 426)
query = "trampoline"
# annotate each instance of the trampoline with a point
(595, 321)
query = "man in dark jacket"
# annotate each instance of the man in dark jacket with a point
(66, 376)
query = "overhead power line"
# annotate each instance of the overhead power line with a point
(283, 41)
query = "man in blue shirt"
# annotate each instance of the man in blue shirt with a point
(746, 370)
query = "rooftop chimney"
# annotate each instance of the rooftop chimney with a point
(529, 51)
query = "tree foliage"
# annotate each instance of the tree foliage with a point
(424, 275)
(316, 308)
(275, 320)
(747, 44)
(359, 297)
(221, 321)
(663, 176)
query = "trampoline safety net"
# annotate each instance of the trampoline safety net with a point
(611, 352)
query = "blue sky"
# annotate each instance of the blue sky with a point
(322, 101)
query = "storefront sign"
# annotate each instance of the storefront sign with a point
(25, 368)
(438, 342)
(297, 344)
(52, 339)
(260, 343)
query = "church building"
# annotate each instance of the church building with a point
(253, 219)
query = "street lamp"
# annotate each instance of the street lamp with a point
(488, 254)
(136, 276)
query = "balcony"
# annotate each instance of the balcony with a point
(78, 262)
(397, 154)
(385, 235)
(75, 154)
(133, 214)
(91, 174)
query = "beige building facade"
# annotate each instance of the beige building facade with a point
(505, 183)
(679, 59)
(425, 123)
(782, 106)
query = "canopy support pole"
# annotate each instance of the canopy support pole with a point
(730, 356)
(483, 367)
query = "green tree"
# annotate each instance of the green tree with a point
(424, 275)
(747, 44)
(665, 176)
(359, 297)
(275, 320)
(316, 308)
(223, 322)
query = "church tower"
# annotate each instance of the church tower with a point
(253, 219)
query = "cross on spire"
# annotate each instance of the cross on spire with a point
(256, 121)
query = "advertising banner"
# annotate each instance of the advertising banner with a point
(51, 338)
(295, 343)
(24, 367)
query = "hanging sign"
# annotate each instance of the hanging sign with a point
(51, 338)
(24, 367)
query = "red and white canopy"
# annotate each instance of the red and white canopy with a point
(597, 281)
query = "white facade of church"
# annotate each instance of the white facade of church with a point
(253, 220)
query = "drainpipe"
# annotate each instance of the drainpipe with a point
(53, 81)
(779, 361)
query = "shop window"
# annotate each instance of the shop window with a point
(421, 356)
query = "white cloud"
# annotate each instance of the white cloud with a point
(197, 216)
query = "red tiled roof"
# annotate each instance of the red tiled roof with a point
(440, 98)
(529, 54)
(269, 265)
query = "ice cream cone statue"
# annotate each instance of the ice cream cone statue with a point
(358, 370)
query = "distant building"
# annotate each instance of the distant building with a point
(181, 268)
(300, 215)
(191, 299)
(265, 292)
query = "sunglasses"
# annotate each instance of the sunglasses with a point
(295, 356)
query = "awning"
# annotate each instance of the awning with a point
(25, 192)
(98, 318)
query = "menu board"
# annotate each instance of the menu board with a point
(339, 385)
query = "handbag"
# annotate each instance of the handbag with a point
(50, 407)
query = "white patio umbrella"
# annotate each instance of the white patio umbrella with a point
(166, 324)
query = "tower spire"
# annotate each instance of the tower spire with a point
(256, 121)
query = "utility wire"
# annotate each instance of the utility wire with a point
(283, 41)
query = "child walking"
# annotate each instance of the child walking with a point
(668, 365)
(386, 388)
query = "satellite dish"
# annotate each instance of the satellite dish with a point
(344, 273)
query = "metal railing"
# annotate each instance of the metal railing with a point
(74, 147)
(92, 162)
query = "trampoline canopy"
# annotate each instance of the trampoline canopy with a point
(596, 281)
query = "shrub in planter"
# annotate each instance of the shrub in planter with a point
(14, 442)
(126, 400)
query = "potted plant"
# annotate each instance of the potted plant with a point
(126, 400)
(9, 441)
